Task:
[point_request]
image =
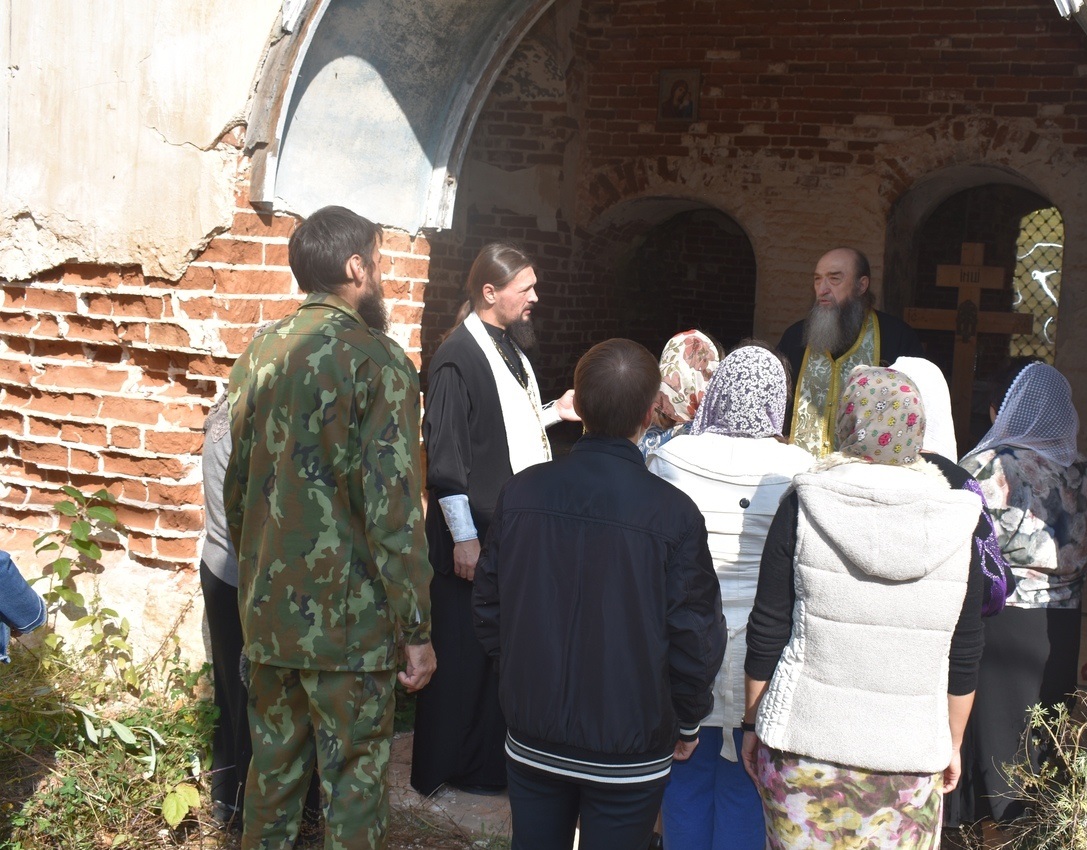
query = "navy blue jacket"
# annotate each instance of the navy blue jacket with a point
(597, 593)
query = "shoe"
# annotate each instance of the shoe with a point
(656, 842)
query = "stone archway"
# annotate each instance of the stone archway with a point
(662, 265)
(371, 104)
(926, 228)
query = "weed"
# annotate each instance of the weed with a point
(1055, 793)
(97, 749)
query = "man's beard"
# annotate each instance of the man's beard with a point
(523, 334)
(371, 307)
(835, 327)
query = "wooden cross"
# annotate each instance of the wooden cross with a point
(967, 322)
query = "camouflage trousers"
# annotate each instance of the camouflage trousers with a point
(341, 721)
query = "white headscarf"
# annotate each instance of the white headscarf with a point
(931, 384)
(1036, 414)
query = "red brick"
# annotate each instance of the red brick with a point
(84, 432)
(241, 194)
(142, 467)
(230, 281)
(184, 520)
(83, 461)
(272, 311)
(77, 378)
(16, 372)
(395, 240)
(173, 442)
(87, 329)
(100, 276)
(168, 335)
(139, 544)
(53, 300)
(181, 495)
(138, 410)
(402, 314)
(253, 224)
(400, 289)
(410, 267)
(124, 437)
(125, 306)
(12, 422)
(44, 454)
(184, 415)
(178, 548)
(275, 254)
(131, 491)
(233, 251)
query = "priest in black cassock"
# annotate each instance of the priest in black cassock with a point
(842, 331)
(483, 423)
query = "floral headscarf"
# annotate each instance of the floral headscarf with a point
(745, 397)
(881, 418)
(687, 364)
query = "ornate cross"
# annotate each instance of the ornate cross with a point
(967, 322)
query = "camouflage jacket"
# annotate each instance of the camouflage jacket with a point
(323, 493)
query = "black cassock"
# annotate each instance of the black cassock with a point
(459, 729)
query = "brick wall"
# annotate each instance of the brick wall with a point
(815, 119)
(106, 376)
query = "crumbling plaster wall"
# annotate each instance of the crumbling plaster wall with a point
(111, 115)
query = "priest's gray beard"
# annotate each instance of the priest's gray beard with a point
(523, 334)
(834, 328)
(371, 307)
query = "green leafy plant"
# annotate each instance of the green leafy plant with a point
(77, 552)
(101, 751)
(1055, 793)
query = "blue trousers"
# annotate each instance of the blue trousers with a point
(711, 803)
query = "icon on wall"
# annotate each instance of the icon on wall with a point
(678, 94)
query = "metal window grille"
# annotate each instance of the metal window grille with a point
(1037, 282)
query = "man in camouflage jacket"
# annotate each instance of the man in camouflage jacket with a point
(324, 507)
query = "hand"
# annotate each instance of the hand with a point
(952, 773)
(465, 555)
(749, 752)
(564, 406)
(684, 750)
(419, 667)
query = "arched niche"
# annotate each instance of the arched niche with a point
(371, 104)
(662, 265)
(928, 227)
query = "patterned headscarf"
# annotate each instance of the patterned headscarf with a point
(745, 397)
(1036, 414)
(687, 364)
(881, 418)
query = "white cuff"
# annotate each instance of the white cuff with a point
(549, 415)
(458, 517)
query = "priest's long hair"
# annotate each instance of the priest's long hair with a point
(497, 264)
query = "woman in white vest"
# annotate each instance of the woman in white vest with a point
(736, 466)
(865, 635)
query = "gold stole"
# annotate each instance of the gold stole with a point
(822, 378)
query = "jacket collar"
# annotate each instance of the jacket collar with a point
(332, 302)
(610, 445)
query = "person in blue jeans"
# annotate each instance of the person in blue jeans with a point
(21, 609)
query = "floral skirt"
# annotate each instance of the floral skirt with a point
(811, 804)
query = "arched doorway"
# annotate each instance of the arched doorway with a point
(1018, 235)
